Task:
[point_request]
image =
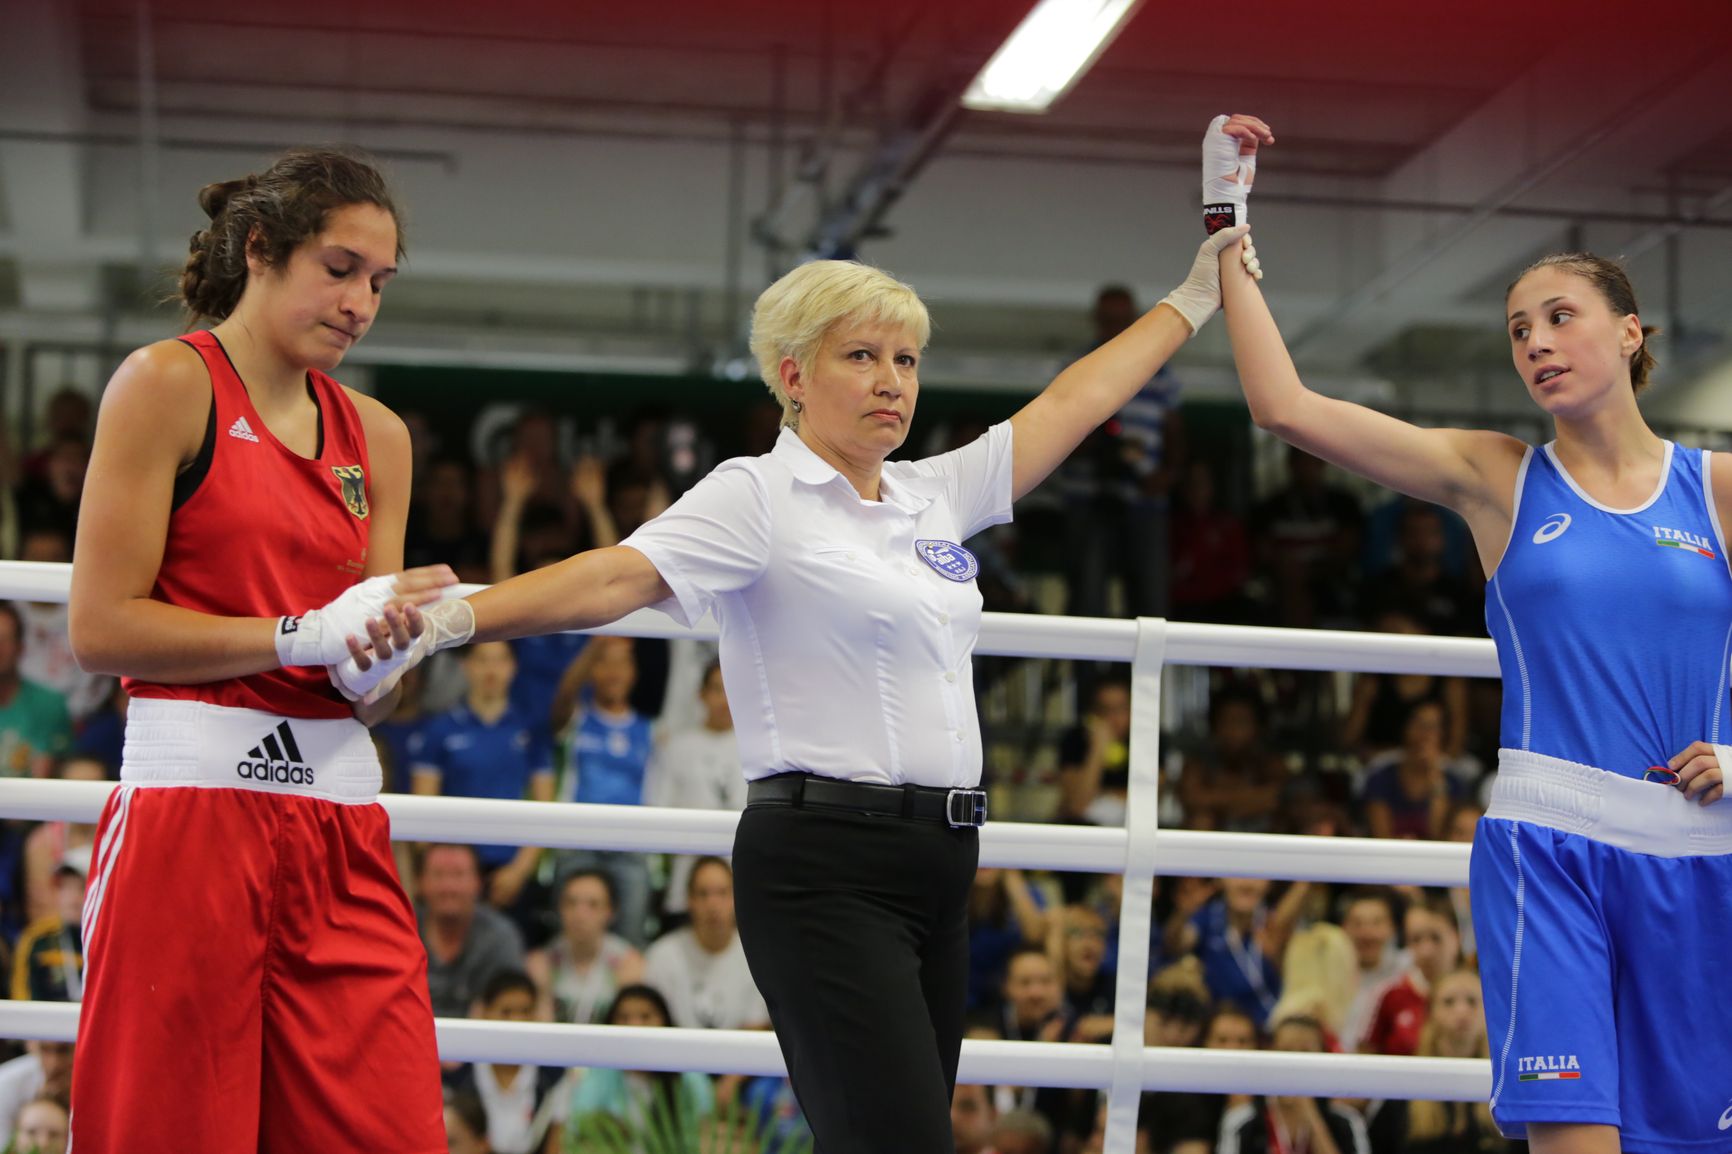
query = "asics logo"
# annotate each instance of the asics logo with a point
(1726, 1119)
(1552, 529)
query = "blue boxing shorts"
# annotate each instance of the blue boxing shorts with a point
(1602, 906)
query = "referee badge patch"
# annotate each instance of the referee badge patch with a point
(353, 478)
(948, 559)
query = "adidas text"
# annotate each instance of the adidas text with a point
(276, 759)
(280, 772)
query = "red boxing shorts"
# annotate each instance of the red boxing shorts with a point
(254, 977)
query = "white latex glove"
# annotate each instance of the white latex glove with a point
(1197, 299)
(444, 624)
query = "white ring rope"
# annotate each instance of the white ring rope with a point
(1013, 844)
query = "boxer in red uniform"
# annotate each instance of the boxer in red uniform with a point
(254, 977)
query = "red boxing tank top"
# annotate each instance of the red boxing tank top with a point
(266, 533)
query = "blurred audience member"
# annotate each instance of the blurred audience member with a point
(614, 1106)
(526, 1105)
(1234, 782)
(1454, 1028)
(47, 656)
(1370, 917)
(1239, 939)
(1434, 945)
(466, 1126)
(1307, 535)
(697, 769)
(34, 725)
(1408, 794)
(1382, 702)
(1211, 555)
(701, 968)
(1021, 1131)
(1116, 486)
(1004, 912)
(50, 500)
(467, 942)
(442, 521)
(43, 1071)
(485, 748)
(1320, 976)
(971, 1119)
(584, 966)
(1094, 758)
(608, 744)
(1278, 1124)
(44, 1127)
(1178, 1006)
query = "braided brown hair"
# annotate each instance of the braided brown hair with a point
(269, 215)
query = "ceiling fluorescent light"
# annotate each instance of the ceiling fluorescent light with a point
(1050, 49)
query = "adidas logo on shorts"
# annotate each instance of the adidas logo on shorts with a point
(275, 760)
(243, 430)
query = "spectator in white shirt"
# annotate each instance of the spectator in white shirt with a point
(848, 615)
(698, 768)
(579, 971)
(701, 969)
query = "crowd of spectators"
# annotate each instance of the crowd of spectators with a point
(527, 934)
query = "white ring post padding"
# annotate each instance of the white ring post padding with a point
(1016, 845)
(1086, 1067)
(1137, 897)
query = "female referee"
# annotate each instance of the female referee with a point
(848, 614)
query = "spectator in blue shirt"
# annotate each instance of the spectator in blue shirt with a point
(607, 758)
(484, 747)
(1239, 940)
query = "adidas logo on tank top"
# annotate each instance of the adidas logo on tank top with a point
(243, 430)
(276, 758)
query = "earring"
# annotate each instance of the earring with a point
(798, 407)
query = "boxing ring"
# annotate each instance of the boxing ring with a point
(1125, 1067)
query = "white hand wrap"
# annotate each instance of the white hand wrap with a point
(1197, 299)
(320, 637)
(1723, 754)
(1227, 179)
(447, 623)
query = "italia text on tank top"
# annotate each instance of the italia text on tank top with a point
(1613, 626)
(266, 532)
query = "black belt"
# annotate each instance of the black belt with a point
(959, 808)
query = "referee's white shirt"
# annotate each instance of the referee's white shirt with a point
(845, 653)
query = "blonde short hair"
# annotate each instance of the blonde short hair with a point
(793, 315)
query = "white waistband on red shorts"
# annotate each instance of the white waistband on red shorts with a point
(1641, 816)
(194, 743)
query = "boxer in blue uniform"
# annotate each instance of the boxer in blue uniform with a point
(1602, 874)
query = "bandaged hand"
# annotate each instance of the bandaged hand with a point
(1229, 167)
(321, 636)
(1197, 299)
(395, 646)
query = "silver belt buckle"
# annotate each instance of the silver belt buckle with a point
(965, 808)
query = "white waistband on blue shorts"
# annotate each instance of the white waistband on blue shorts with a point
(194, 743)
(1627, 812)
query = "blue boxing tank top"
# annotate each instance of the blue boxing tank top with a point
(1613, 626)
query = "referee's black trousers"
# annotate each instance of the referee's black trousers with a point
(856, 931)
